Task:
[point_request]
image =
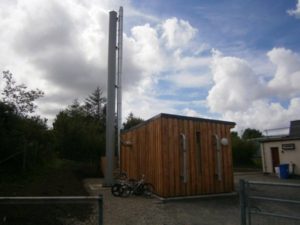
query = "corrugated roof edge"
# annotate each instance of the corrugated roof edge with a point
(276, 139)
(178, 117)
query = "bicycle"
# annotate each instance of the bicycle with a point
(125, 187)
(140, 187)
(118, 188)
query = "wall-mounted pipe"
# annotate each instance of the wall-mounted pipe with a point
(264, 157)
(184, 157)
(218, 157)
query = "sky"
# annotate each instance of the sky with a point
(234, 60)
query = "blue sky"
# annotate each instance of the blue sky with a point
(257, 25)
(236, 60)
(243, 29)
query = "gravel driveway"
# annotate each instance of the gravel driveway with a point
(143, 211)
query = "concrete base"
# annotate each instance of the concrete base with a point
(164, 200)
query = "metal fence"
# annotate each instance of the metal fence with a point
(41, 207)
(263, 203)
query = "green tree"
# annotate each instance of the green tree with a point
(244, 150)
(251, 133)
(24, 140)
(132, 121)
(18, 97)
(79, 134)
(94, 103)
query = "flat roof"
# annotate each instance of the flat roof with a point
(166, 115)
(277, 139)
(194, 118)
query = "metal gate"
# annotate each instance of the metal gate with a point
(263, 203)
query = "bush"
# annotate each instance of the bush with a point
(25, 141)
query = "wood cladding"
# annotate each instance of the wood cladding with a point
(154, 149)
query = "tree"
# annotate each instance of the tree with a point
(75, 109)
(251, 133)
(243, 149)
(132, 121)
(94, 103)
(18, 97)
(79, 133)
(25, 142)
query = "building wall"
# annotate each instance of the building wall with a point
(143, 155)
(285, 156)
(201, 168)
(157, 153)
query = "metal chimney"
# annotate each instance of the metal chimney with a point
(114, 85)
(111, 96)
(119, 78)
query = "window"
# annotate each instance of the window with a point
(184, 158)
(198, 153)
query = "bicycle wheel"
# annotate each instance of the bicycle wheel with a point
(139, 190)
(116, 190)
(125, 190)
(148, 189)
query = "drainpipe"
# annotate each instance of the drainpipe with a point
(264, 157)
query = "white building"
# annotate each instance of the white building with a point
(276, 150)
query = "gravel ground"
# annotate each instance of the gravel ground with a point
(204, 211)
(144, 211)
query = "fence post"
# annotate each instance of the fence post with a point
(100, 210)
(243, 203)
(248, 202)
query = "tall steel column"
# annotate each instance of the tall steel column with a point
(111, 96)
(119, 77)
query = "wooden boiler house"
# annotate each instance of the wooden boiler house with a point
(179, 155)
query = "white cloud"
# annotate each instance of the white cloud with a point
(147, 53)
(295, 12)
(146, 105)
(264, 115)
(235, 84)
(286, 82)
(177, 33)
(186, 80)
(239, 94)
(61, 47)
(130, 11)
(179, 61)
(190, 112)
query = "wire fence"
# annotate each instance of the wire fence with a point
(269, 203)
(60, 210)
